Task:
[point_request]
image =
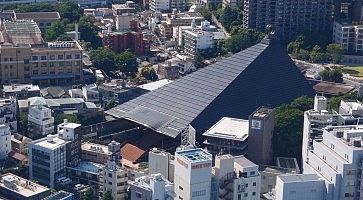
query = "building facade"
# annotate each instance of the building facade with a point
(161, 162)
(119, 42)
(193, 177)
(154, 186)
(197, 40)
(349, 36)
(40, 121)
(289, 18)
(159, 5)
(8, 113)
(5, 141)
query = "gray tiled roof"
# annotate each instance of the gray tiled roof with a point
(261, 75)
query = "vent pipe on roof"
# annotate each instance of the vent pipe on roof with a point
(76, 37)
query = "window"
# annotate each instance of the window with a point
(252, 173)
(43, 57)
(110, 175)
(239, 197)
(35, 72)
(199, 193)
(246, 185)
(5, 59)
(34, 57)
(52, 57)
(253, 193)
(26, 61)
(60, 57)
(246, 195)
(180, 187)
(181, 198)
(77, 56)
(254, 184)
(69, 57)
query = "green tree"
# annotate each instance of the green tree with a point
(111, 103)
(57, 29)
(316, 55)
(243, 39)
(126, 63)
(70, 10)
(149, 73)
(335, 75)
(89, 32)
(205, 12)
(107, 196)
(103, 58)
(198, 60)
(23, 124)
(59, 118)
(334, 102)
(335, 52)
(303, 103)
(88, 195)
(228, 16)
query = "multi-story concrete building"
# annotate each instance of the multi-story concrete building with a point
(236, 177)
(300, 187)
(20, 143)
(161, 162)
(49, 157)
(25, 58)
(8, 113)
(93, 152)
(228, 135)
(119, 9)
(90, 93)
(40, 120)
(159, 5)
(16, 187)
(181, 5)
(121, 41)
(194, 173)
(178, 19)
(21, 91)
(289, 18)
(154, 186)
(44, 20)
(349, 36)
(261, 127)
(337, 158)
(5, 141)
(197, 40)
(348, 10)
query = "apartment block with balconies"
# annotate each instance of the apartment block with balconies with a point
(40, 120)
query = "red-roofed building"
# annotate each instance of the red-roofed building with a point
(132, 155)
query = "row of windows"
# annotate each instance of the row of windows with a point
(60, 57)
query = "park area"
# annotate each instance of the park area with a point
(356, 71)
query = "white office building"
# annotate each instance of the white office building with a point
(49, 156)
(161, 162)
(154, 186)
(338, 159)
(5, 141)
(237, 178)
(300, 187)
(195, 40)
(349, 36)
(40, 120)
(159, 5)
(193, 177)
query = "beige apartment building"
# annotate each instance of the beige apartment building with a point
(26, 58)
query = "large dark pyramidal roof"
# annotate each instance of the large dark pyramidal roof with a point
(261, 75)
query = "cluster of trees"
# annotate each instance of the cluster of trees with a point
(149, 73)
(242, 38)
(334, 102)
(229, 17)
(314, 48)
(289, 123)
(335, 75)
(105, 59)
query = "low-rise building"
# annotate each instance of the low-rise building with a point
(269, 176)
(161, 162)
(300, 187)
(154, 186)
(228, 135)
(20, 143)
(18, 188)
(119, 9)
(8, 113)
(21, 91)
(178, 19)
(5, 141)
(40, 120)
(60, 195)
(86, 173)
(93, 152)
(90, 93)
(44, 20)
(159, 5)
(119, 91)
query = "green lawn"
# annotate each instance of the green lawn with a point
(354, 71)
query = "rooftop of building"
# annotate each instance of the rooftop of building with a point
(351, 104)
(69, 125)
(131, 152)
(89, 167)
(262, 112)
(21, 186)
(50, 142)
(88, 146)
(144, 181)
(41, 101)
(201, 98)
(329, 88)
(229, 128)
(287, 163)
(195, 155)
(22, 32)
(60, 195)
(155, 85)
(244, 162)
(116, 86)
(20, 88)
(350, 135)
(58, 46)
(7, 101)
(38, 15)
(293, 178)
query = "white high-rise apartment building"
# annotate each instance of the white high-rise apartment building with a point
(195, 40)
(5, 141)
(159, 5)
(193, 173)
(338, 159)
(349, 36)
(40, 120)
(237, 178)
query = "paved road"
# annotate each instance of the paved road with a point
(220, 26)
